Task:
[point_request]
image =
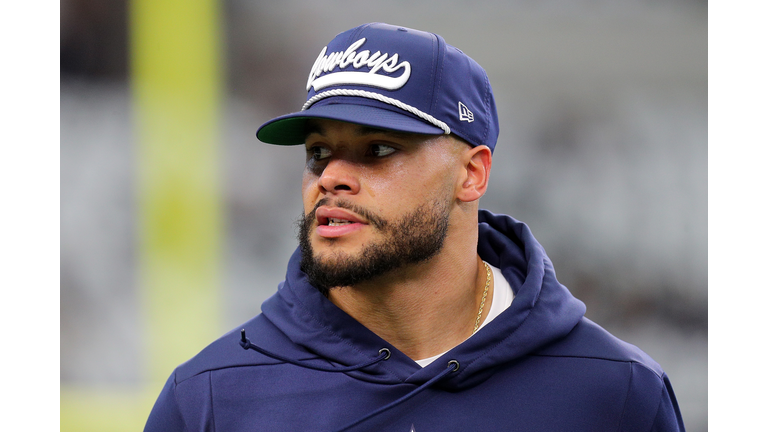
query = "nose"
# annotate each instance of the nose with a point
(339, 176)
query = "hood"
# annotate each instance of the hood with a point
(542, 312)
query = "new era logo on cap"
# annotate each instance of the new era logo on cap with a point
(465, 114)
(394, 78)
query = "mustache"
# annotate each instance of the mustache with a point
(373, 219)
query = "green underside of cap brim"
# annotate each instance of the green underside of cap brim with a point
(288, 131)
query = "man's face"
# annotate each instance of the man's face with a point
(374, 200)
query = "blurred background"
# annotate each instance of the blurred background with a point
(176, 223)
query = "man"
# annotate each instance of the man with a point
(406, 308)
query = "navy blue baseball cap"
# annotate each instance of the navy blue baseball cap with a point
(394, 78)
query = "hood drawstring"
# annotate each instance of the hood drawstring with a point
(453, 366)
(384, 354)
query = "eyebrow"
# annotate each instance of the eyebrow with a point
(312, 127)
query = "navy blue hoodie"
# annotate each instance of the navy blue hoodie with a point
(305, 365)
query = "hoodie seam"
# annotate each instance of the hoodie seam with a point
(594, 358)
(626, 398)
(210, 393)
(215, 369)
(176, 401)
(644, 366)
(658, 408)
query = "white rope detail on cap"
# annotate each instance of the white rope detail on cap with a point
(378, 97)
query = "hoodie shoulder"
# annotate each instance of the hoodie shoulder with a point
(226, 351)
(650, 402)
(589, 340)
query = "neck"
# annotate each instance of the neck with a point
(424, 309)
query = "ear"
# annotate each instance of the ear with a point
(476, 168)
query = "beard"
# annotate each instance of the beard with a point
(415, 237)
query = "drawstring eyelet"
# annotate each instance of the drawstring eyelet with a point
(453, 366)
(386, 350)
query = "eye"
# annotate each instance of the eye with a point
(381, 150)
(319, 153)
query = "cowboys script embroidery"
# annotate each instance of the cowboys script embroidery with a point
(350, 57)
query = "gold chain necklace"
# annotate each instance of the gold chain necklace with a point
(485, 293)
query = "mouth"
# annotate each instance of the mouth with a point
(333, 222)
(338, 222)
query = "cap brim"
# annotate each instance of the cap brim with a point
(289, 129)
